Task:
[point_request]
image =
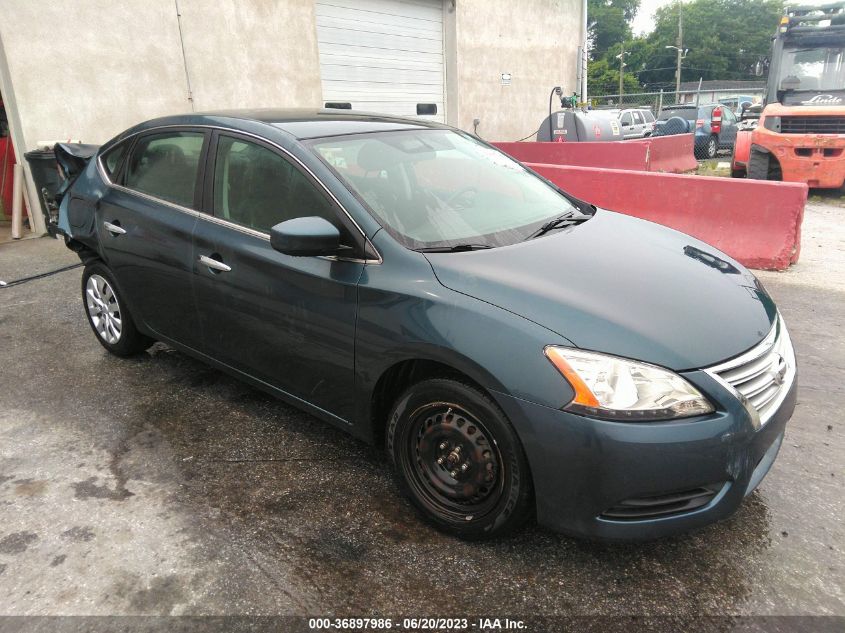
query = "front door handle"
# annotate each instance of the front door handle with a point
(114, 229)
(214, 264)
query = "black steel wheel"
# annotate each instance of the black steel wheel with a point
(459, 460)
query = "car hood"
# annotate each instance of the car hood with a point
(622, 286)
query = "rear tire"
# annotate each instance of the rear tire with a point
(711, 148)
(763, 166)
(459, 460)
(108, 315)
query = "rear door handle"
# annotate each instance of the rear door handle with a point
(114, 229)
(214, 264)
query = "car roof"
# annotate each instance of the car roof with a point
(689, 106)
(304, 123)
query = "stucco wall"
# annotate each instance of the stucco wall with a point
(536, 41)
(90, 68)
(261, 53)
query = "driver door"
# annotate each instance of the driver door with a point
(288, 322)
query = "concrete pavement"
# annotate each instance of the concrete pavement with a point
(159, 486)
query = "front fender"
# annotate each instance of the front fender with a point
(423, 320)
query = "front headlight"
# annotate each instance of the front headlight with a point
(621, 389)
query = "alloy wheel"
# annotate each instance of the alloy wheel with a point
(103, 309)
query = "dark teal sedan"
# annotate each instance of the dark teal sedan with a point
(517, 351)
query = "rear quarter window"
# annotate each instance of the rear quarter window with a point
(113, 158)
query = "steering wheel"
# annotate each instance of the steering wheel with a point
(459, 194)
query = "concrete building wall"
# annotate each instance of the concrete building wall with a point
(88, 69)
(261, 53)
(536, 41)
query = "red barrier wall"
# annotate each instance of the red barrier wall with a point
(611, 155)
(674, 154)
(7, 165)
(756, 222)
(661, 153)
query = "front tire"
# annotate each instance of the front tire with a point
(108, 315)
(763, 166)
(459, 460)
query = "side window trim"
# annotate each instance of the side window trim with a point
(207, 209)
(120, 181)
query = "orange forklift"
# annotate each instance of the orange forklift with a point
(800, 133)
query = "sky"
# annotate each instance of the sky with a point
(644, 22)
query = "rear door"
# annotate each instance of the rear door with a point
(639, 124)
(627, 123)
(286, 321)
(144, 224)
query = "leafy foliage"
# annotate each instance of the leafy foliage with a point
(726, 40)
(609, 23)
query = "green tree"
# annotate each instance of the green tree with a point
(609, 23)
(725, 38)
(603, 78)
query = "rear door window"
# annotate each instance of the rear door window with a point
(626, 118)
(166, 166)
(686, 113)
(638, 118)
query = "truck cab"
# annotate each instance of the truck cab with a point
(800, 135)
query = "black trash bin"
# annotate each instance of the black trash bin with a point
(42, 163)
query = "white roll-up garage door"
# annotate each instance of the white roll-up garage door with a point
(383, 55)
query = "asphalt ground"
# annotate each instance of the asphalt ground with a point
(159, 486)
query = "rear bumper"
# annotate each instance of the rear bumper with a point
(816, 159)
(582, 467)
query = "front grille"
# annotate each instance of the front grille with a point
(662, 505)
(763, 375)
(812, 125)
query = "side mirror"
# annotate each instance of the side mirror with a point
(305, 237)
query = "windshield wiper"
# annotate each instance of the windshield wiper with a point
(559, 222)
(457, 248)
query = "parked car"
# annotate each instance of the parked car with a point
(737, 104)
(713, 124)
(636, 122)
(514, 349)
(633, 122)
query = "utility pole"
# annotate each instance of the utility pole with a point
(621, 58)
(679, 51)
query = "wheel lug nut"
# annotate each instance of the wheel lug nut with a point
(454, 474)
(440, 460)
(464, 466)
(444, 446)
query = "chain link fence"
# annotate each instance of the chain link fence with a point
(656, 100)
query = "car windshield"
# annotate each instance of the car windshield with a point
(438, 188)
(813, 69)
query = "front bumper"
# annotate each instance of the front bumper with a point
(817, 159)
(582, 467)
